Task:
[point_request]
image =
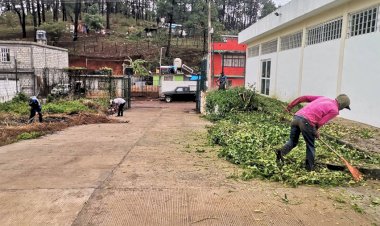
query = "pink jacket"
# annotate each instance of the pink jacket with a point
(319, 111)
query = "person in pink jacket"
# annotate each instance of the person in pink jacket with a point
(308, 120)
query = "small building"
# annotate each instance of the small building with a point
(228, 57)
(325, 47)
(31, 68)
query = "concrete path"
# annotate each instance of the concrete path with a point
(154, 170)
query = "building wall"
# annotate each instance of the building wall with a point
(320, 69)
(346, 65)
(32, 60)
(287, 77)
(361, 77)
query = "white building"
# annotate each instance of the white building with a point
(319, 47)
(31, 68)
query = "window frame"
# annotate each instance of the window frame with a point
(265, 76)
(362, 24)
(231, 60)
(5, 55)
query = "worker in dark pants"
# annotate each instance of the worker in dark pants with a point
(308, 120)
(222, 81)
(119, 104)
(35, 107)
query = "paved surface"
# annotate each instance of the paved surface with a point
(154, 170)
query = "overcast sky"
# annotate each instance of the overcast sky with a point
(281, 2)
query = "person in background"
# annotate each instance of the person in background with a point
(35, 107)
(222, 80)
(119, 104)
(308, 120)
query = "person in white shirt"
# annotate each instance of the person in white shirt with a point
(119, 104)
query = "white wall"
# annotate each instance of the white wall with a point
(288, 70)
(252, 72)
(320, 69)
(8, 90)
(361, 78)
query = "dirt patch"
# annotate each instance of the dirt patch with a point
(12, 127)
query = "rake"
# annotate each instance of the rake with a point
(354, 171)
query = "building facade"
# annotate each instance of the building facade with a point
(323, 47)
(31, 68)
(228, 57)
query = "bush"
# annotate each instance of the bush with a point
(18, 105)
(54, 30)
(222, 102)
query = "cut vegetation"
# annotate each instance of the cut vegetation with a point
(248, 127)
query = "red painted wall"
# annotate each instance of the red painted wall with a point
(96, 63)
(231, 45)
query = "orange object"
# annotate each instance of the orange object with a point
(354, 171)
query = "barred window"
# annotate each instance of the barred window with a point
(233, 61)
(363, 22)
(291, 41)
(324, 32)
(253, 51)
(5, 55)
(269, 47)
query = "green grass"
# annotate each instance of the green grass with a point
(29, 135)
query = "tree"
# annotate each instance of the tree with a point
(93, 19)
(268, 8)
(18, 7)
(77, 10)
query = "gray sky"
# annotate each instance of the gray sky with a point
(281, 2)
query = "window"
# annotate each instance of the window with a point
(363, 22)
(291, 41)
(269, 47)
(265, 76)
(233, 61)
(253, 51)
(5, 55)
(324, 32)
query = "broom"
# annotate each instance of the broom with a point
(354, 172)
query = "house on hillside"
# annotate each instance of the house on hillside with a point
(326, 47)
(30, 67)
(228, 57)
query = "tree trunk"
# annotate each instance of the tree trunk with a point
(55, 10)
(76, 18)
(108, 11)
(64, 12)
(21, 17)
(43, 10)
(34, 19)
(28, 6)
(39, 12)
(167, 53)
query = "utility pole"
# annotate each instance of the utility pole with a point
(209, 47)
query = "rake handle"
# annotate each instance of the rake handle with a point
(331, 149)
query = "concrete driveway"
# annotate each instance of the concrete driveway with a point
(154, 170)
